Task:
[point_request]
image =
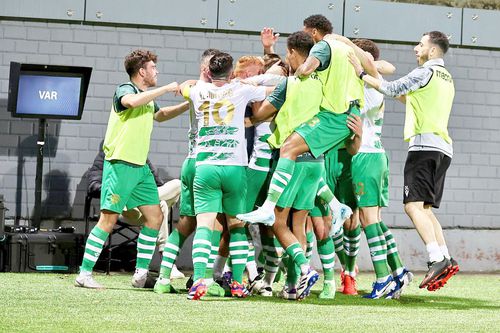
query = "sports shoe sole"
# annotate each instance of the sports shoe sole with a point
(310, 283)
(199, 293)
(83, 285)
(425, 284)
(440, 282)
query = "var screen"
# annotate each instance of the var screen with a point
(48, 95)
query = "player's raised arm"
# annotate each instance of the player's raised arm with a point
(170, 112)
(134, 100)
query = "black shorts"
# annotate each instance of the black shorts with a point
(424, 176)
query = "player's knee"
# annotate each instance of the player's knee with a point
(410, 208)
(289, 149)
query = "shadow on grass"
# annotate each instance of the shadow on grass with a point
(427, 301)
(411, 301)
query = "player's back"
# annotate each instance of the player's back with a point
(220, 112)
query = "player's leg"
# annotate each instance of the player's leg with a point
(207, 203)
(185, 226)
(424, 174)
(233, 202)
(93, 248)
(115, 193)
(377, 245)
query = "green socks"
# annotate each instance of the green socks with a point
(146, 244)
(273, 253)
(338, 242)
(378, 250)
(93, 248)
(216, 235)
(297, 255)
(170, 252)
(351, 247)
(238, 252)
(393, 258)
(327, 257)
(202, 246)
(280, 179)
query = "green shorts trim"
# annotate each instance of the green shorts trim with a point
(370, 177)
(257, 185)
(326, 130)
(125, 184)
(220, 188)
(339, 177)
(302, 188)
(187, 196)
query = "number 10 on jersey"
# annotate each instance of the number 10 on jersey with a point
(215, 110)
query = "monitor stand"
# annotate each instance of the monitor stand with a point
(37, 218)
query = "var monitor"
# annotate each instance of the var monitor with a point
(47, 91)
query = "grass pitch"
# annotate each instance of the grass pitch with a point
(50, 303)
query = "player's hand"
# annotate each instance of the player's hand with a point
(355, 63)
(184, 85)
(355, 124)
(268, 37)
(172, 87)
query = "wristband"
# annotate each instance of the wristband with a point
(361, 75)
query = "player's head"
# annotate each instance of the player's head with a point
(248, 66)
(221, 66)
(298, 46)
(141, 64)
(270, 59)
(205, 59)
(368, 46)
(317, 26)
(432, 45)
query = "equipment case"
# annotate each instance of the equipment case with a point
(41, 252)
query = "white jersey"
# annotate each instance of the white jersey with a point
(192, 132)
(261, 154)
(220, 114)
(372, 115)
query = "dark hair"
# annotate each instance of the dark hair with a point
(440, 39)
(270, 59)
(320, 23)
(209, 53)
(368, 46)
(301, 42)
(221, 65)
(136, 60)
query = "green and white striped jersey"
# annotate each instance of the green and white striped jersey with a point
(220, 114)
(261, 154)
(372, 115)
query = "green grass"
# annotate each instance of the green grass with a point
(50, 303)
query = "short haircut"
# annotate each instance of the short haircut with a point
(440, 39)
(320, 23)
(246, 61)
(270, 59)
(301, 42)
(208, 53)
(136, 60)
(221, 65)
(368, 46)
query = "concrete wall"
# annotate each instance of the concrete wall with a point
(472, 193)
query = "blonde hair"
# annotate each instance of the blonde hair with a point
(247, 61)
